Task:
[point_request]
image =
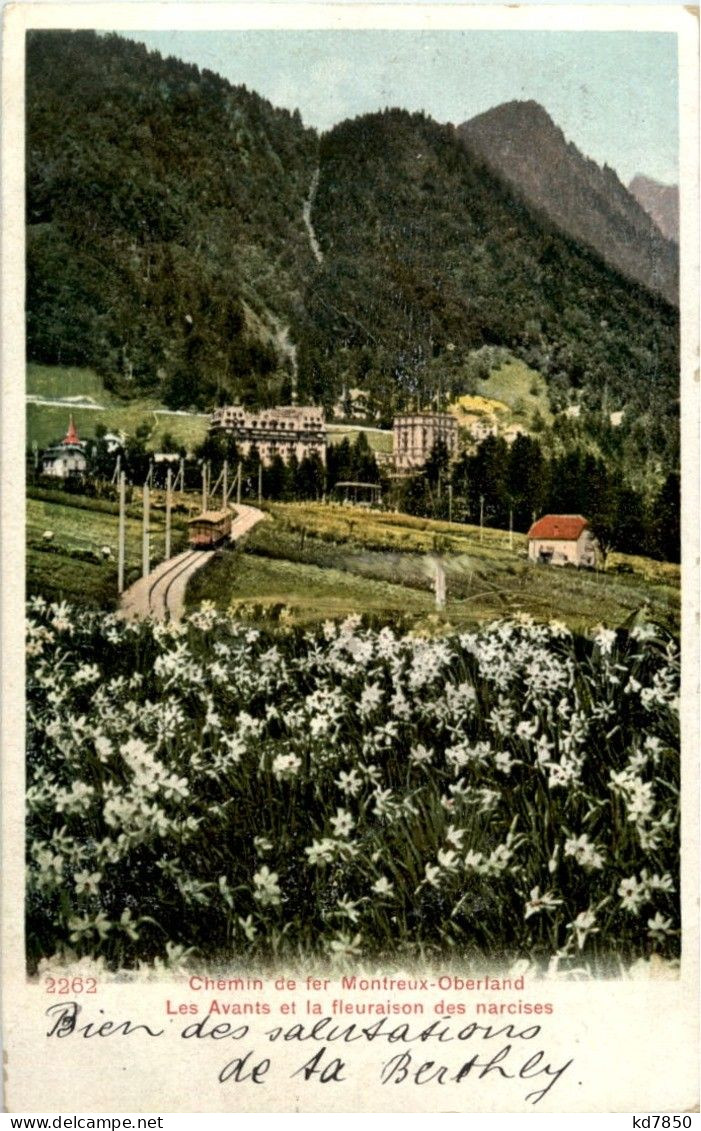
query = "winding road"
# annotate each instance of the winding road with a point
(161, 594)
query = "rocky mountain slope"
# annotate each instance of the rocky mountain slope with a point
(661, 202)
(521, 143)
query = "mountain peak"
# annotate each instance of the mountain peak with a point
(522, 144)
(660, 201)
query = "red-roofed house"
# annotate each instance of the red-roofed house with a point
(562, 539)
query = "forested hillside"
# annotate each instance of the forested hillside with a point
(167, 249)
(165, 239)
(428, 256)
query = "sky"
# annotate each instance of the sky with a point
(614, 94)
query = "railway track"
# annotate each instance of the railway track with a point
(161, 595)
(160, 589)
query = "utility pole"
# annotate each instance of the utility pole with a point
(260, 482)
(145, 548)
(225, 484)
(169, 476)
(450, 502)
(481, 515)
(439, 585)
(181, 474)
(121, 535)
(238, 484)
(511, 528)
(204, 486)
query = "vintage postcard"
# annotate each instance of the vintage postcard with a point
(350, 558)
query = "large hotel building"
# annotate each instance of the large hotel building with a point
(414, 435)
(298, 430)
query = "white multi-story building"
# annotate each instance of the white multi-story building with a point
(286, 431)
(415, 434)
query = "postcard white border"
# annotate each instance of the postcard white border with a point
(655, 1022)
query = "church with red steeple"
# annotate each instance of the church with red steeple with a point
(71, 436)
(67, 457)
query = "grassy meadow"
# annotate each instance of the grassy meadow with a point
(513, 392)
(71, 565)
(314, 562)
(47, 423)
(379, 440)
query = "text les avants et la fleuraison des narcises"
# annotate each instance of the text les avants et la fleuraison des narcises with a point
(419, 1032)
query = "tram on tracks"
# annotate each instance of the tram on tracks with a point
(208, 530)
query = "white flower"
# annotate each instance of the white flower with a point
(584, 925)
(350, 783)
(321, 851)
(659, 927)
(632, 894)
(605, 639)
(447, 859)
(348, 909)
(128, 925)
(267, 891)
(103, 747)
(643, 632)
(383, 803)
(526, 731)
(382, 886)
(537, 902)
(342, 822)
(343, 946)
(432, 875)
(585, 852)
(419, 754)
(655, 882)
(454, 836)
(87, 883)
(504, 761)
(370, 698)
(248, 927)
(286, 766)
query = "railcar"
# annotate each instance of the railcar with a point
(209, 529)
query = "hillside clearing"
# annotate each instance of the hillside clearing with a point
(315, 562)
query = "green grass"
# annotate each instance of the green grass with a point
(313, 563)
(47, 423)
(58, 577)
(262, 589)
(65, 381)
(512, 383)
(379, 441)
(70, 565)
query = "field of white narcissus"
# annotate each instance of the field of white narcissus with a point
(210, 790)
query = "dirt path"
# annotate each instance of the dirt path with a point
(161, 594)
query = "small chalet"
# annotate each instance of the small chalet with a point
(67, 458)
(562, 539)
